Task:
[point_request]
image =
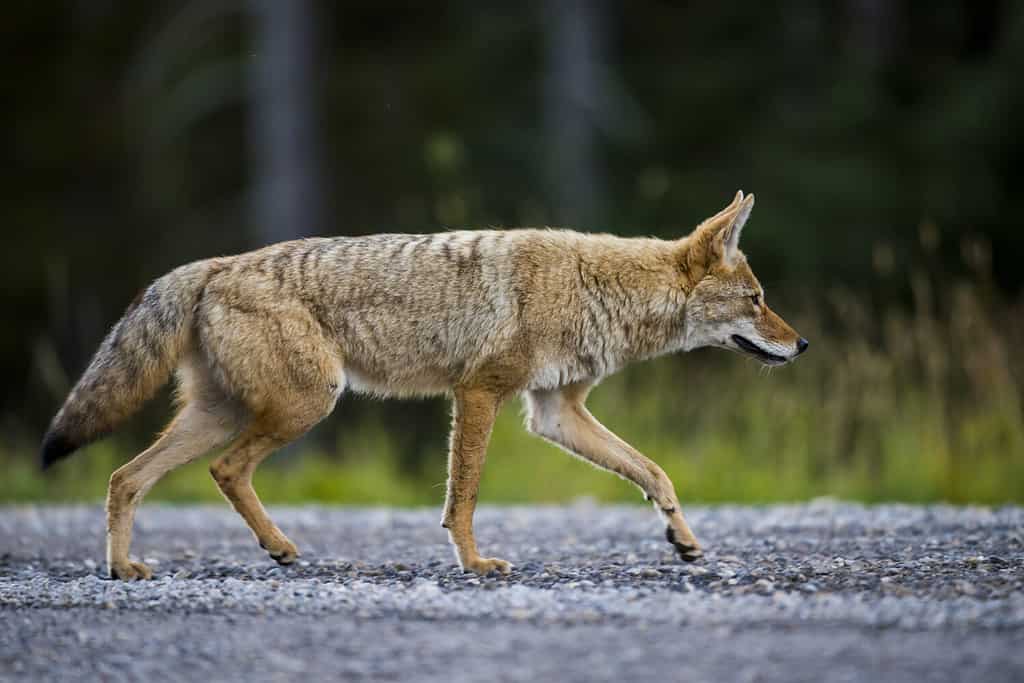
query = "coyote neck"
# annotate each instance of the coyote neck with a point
(634, 307)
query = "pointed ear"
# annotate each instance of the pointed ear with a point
(732, 205)
(728, 238)
(709, 227)
(707, 244)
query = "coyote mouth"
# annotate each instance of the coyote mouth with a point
(756, 351)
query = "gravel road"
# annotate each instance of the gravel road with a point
(817, 592)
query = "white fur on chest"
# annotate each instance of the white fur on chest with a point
(556, 374)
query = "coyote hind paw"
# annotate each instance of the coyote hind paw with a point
(486, 565)
(688, 553)
(283, 552)
(130, 571)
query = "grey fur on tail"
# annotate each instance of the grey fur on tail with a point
(135, 359)
(55, 447)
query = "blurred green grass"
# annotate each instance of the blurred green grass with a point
(758, 443)
(916, 403)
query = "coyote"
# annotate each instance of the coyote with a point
(264, 343)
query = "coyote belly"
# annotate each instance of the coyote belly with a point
(264, 343)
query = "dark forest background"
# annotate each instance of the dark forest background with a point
(883, 141)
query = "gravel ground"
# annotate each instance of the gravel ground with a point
(816, 592)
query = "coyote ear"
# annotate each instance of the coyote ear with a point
(732, 205)
(728, 239)
(716, 238)
(709, 227)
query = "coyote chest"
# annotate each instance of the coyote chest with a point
(570, 368)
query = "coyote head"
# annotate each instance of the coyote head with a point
(726, 306)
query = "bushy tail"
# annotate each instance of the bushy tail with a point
(133, 362)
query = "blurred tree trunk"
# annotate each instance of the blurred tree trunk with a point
(284, 136)
(576, 44)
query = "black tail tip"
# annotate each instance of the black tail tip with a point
(55, 447)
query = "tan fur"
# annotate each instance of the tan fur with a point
(265, 342)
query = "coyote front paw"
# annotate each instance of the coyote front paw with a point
(130, 571)
(486, 565)
(689, 552)
(282, 551)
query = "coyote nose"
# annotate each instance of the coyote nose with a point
(801, 345)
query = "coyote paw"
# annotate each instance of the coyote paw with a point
(486, 565)
(688, 552)
(282, 552)
(130, 571)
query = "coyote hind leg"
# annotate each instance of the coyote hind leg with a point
(194, 432)
(233, 473)
(271, 357)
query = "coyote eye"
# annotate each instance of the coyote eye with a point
(755, 299)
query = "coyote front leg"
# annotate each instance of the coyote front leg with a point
(560, 417)
(475, 411)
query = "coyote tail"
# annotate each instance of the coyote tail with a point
(135, 359)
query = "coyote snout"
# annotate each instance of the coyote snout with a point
(766, 337)
(758, 350)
